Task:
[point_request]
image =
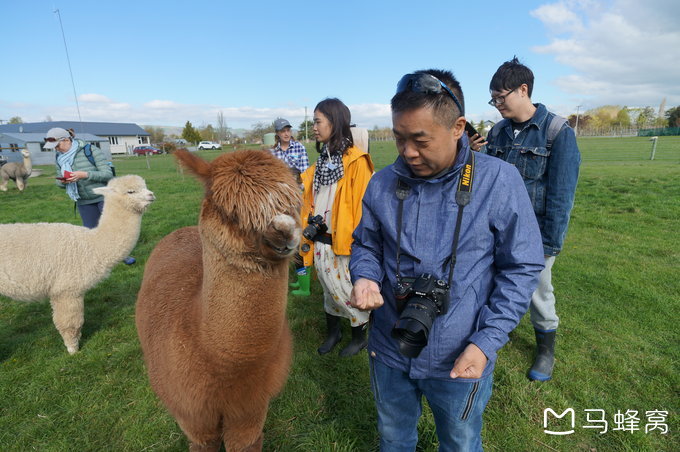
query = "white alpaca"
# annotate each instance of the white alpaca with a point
(18, 172)
(62, 261)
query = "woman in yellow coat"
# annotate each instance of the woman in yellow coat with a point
(333, 189)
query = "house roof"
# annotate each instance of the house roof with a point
(34, 137)
(94, 128)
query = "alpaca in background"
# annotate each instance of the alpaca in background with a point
(18, 172)
(62, 261)
(211, 310)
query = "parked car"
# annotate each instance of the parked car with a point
(146, 150)
(208, 145)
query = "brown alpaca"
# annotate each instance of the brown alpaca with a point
(211, 310)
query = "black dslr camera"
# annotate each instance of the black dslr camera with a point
(419, 301)
(316, 226)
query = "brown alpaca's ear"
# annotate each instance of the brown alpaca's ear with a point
(195, 164)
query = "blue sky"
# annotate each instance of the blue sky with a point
(163, 63)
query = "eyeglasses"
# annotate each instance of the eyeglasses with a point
(500, 100)
(426, 84)
(52, 140)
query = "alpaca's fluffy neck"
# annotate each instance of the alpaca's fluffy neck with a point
(232, 319)
(117, 232)
(28, 164)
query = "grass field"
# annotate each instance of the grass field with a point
(618, 298)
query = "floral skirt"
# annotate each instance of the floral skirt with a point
(333, 273)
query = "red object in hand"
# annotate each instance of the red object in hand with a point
(67, 175)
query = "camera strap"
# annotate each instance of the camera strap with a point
(463, 195)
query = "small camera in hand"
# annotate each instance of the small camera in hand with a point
(315, 227)
(419, 301)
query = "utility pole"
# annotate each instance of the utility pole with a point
(576, 128)
(306, 137)
(68, 60)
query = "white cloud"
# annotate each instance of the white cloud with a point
(558, 17)
(624, 52)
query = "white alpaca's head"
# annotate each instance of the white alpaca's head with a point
(26, 153)
(128, 191)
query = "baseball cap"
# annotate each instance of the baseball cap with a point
(280, 124)
(54, 136)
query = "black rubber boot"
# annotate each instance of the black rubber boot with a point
(545, 356)
(357, 343)
(333, 334)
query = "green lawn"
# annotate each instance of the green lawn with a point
(618, 296)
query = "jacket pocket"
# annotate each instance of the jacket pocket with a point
(532, 161)
(495, 150)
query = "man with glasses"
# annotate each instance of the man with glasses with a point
(446, 256)
(543, 148)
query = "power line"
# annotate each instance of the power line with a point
(68, 60)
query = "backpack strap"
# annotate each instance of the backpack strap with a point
(554, 128)
(87, 150)
(556, 123)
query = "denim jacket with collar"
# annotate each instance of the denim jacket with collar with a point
(498, 259)
(550, 174)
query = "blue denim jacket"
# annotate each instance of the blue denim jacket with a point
(499, 257)
(550, 175)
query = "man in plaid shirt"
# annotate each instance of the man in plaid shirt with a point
(292, 152)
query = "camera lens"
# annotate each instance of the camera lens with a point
(414, 324)
(310, 232)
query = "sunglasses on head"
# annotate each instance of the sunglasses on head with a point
(426, 84)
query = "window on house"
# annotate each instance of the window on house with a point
(143, 140)
(113, 140)
(13, 147)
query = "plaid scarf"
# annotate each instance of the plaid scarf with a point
(329, 167)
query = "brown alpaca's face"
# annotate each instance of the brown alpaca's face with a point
(248, 194)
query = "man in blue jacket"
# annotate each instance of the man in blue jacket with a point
(543, 148)
(469, 255)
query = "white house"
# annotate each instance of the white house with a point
(121, 137)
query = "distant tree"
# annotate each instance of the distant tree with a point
(481, 127)
(256, 134)
(380, 134)
(48, 118)
(604, 116)
(305, 130)
(644, 118)
(15, 120)
(190, 134)
(673, 116)
(622, 118)
(157, 134)
(584, 121)
(222, 129)
(208, 133)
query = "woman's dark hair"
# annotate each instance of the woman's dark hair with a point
(339, 116)
(510, 75)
